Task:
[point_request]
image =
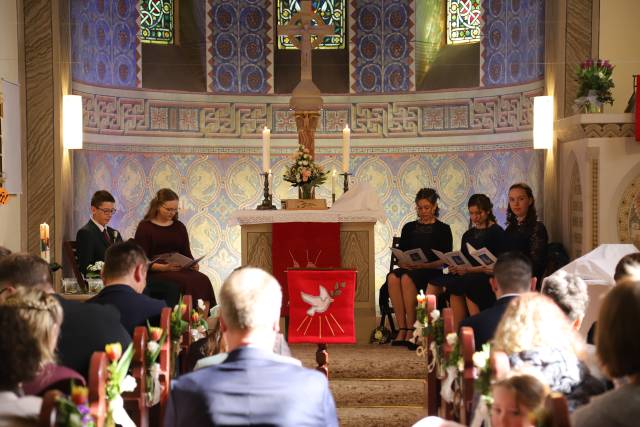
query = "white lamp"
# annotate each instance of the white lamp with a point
(72, 122)
(543, 122)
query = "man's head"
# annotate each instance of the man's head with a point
(4, 252)
(512, 274)
(20, 269)
(250, 301)
(103, 206)
(125, 264)
(569, 292)
(628, 267)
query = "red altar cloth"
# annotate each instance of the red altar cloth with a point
(321, 306)
(303, 245)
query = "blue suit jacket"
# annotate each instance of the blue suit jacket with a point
(135, 309)
(251, 387)
(485, 323)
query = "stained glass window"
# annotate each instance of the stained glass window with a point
(157, 21)
(332, 12)
(463, 21)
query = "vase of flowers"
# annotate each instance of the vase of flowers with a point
(178, 327)
(118, 382)
(156, 340)
(304, 173)
(594, 86)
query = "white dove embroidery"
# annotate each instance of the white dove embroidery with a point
(320, 303)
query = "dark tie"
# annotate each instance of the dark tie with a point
(106, 236)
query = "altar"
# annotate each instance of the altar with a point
(356, 251)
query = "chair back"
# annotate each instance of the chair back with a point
(467, 348)
(69, 250)
(97, 387)
(49, 409)
(135, 401)
(557, 410)
(432, 386)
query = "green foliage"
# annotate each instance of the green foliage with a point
(594, 80)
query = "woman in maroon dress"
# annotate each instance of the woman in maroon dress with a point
(160, 232)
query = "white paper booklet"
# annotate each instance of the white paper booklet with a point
(179, 259)
(483, 255)
(411, 256)
(456, 258)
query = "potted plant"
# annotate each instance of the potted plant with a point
(595, 84)
(304, 173)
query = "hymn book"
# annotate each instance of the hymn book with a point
(483, 255)
(453, 258)
(410, 256)
(176, 258)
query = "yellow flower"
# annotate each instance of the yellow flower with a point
(114, 351)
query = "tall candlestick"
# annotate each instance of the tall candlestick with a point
(270, 183)
(44, 242)
(346, 143)
(333, 185)
(266, 149)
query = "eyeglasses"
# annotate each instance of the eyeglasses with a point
(107, 211)
(171, 210)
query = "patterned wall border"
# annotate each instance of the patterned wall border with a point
(595, 202)
(144, 113)
(138, 47)
(624, 211)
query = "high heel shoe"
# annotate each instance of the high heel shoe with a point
(397, 342)
(411, 345)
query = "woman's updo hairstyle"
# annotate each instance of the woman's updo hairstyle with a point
(162, 196)
(483, 203)
(430, 195)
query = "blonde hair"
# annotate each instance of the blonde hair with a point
(534, 321)
(43, 314)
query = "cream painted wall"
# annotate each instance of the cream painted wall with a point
(10, 220)
(619, 35)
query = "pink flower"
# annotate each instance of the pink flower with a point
(306, 173)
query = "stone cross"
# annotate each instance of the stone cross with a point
(302, 25)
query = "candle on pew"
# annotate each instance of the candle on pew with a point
(266, 149)
(346, 142)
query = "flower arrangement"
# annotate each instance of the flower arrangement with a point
(73, 411)
(178, 327)
(118, 382)
(94, 270)
(199, 325)
(483, 381)
(595, 84)
(157, 337)
(304, 173)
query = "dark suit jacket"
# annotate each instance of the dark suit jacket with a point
(251, 387)
(484, 324)
(87, 328)
(91, 244)
(135, 309)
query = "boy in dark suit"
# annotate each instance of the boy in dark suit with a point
(96, 236)
(125, 276)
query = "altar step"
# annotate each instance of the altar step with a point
(372, 385)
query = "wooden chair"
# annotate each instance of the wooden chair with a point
(432, 386)
(69, 249)
(386, 311)
(49, 410)
(186, 337)
(446, 409)
(557, 410)
(97, 387)
(467, 347)
(135, 401)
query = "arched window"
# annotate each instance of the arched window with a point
(332, 12)
(158, 21)
(463, 21)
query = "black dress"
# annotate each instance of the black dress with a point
(531, 239)
(476, 286)
(426, 237)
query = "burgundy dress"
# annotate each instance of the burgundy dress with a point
(157, 239)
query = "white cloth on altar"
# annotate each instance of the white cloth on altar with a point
(361, 198)
(596, 268)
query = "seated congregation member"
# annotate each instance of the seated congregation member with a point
(570, 294)
(511, 278)
(42, 312)
(469, 287)
(524, 232)
(253, 386)
(124, 275)
(85, 328)
(618, 348)
(538, 337)
(93, 239)
(20, 362)
(161, 232)
(426, 233)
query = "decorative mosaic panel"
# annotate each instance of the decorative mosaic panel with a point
(157, 21)
(382, 39)
(513, 41)
(463, 21)
(239, 46)
(576, 212)
(105, 48)
(213, 184)
(332, 12)
(629, 214)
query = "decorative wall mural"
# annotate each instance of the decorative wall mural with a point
(464, 19)
(629, 214)
(157, 21)
(332, 12)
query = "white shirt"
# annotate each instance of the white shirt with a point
(19, 411)
(100, 226)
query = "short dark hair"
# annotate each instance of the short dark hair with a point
(569, 292)
(430, 195)
(121, 258)
(617, 346)
(512, 271)
(100, 197)
(4, 252)
(19, 348)
(629, 260)
(24, 269)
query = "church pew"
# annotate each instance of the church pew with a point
(97, 387)
(467, 348)
(185, 343)
(135, 401)
(432, 390)
(557, 410)
(49, 410)
(157, 412)
(446, 409)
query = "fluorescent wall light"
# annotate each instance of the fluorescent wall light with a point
(72, 122)
(543, 122)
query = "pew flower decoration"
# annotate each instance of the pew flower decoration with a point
(430, 326)
(118, 382)
(73, 411)
(178, 327)
(454, 365)
(483, 381)
(594, 85)
(94, 270)
(304, 173)
(157, 337)
(199, 324)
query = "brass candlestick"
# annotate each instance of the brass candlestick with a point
(345, 186)
(267, 202)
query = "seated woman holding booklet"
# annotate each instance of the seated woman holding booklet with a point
(426, 233)
(159, 233)
(468, 282)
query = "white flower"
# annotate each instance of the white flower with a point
(201, 304)
(435, 315)
(461, 364)
(601, 74)
(99, 265)
(152, 346)
(480, 359)
(305, 163)
(128, 384)
(300, 162)
(452, 338)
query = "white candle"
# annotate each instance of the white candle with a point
(270, 182)
(44, 242)
(333, 182)
(266, 149)
(346, 142)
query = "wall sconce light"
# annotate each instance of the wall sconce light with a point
(72, 122)
(543, 122)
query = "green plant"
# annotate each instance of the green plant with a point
(594, 84)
